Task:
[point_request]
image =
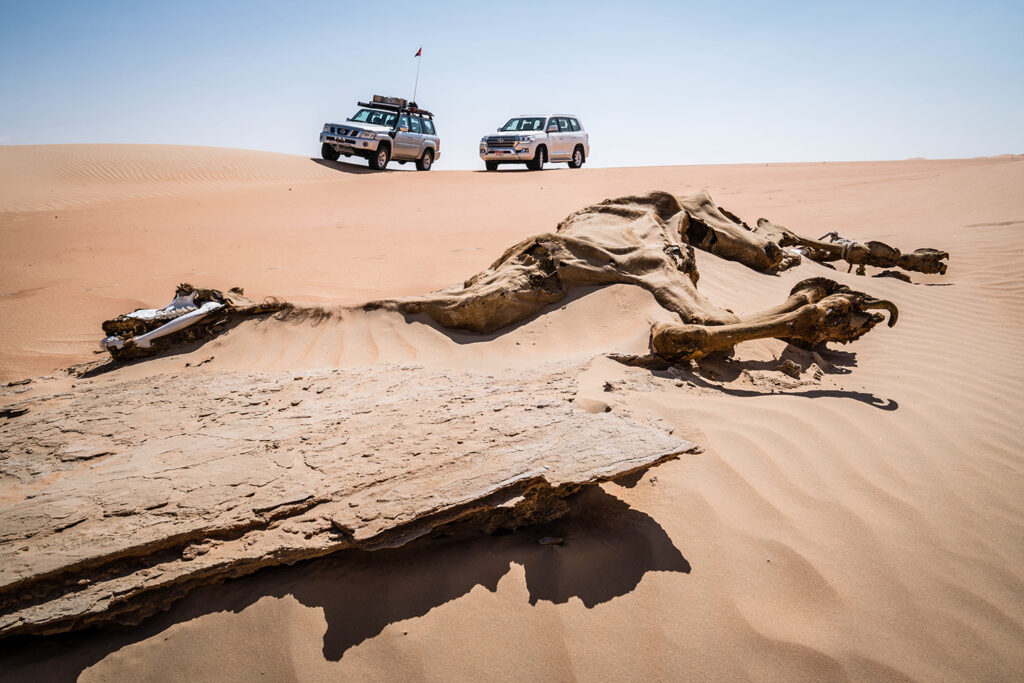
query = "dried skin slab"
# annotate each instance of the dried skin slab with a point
(120, 497)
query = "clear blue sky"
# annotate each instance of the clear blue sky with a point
(654, 82)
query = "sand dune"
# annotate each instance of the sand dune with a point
(866, 524)
(47, 177)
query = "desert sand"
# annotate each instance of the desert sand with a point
(865, 523)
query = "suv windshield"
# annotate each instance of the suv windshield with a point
(380, 118)
(526, 124)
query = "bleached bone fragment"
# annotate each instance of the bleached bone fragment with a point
(134, 334)
(181, 322)
(181, 305)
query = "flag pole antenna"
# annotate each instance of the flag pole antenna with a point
(419, 58)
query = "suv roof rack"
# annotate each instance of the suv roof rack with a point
(395, 104)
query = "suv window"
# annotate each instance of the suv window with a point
(563, 125)
(575, 124)
(524, 124)
(428, 126)
(403, 121)
(381, 118)
(415, 127)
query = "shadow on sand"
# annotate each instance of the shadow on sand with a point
(345, 166)
(521, 168)
(357, 166)
(712, 372)
(179, 348)
(463, 336)
(608, 548)
(716, 370)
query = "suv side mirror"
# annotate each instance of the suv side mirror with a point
(404, 129)
(553, 128)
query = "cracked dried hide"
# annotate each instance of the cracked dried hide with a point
(385, 455)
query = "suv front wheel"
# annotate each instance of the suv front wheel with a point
(426, 161)
(538, 161)
(577, 157)
(379, 161)
(329, 153)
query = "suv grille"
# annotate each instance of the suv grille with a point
(496, 141)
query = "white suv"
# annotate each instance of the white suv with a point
(386, 128)
(534, 140)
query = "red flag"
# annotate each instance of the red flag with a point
(418, 52)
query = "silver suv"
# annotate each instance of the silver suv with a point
(386, 128)
(534, 140)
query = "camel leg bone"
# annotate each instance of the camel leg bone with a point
(807, 318)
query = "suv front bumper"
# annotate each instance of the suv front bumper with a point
(506, 153)
(347, 144)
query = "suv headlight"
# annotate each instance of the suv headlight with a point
(365, 134)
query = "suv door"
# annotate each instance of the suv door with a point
(561, 142)
(577, 134)
(407, 143)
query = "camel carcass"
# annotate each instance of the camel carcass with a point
(646, 240)
(649, 241)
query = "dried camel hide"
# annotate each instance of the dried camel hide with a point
(648, 241)
(123, 506)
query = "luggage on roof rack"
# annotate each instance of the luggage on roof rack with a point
(394, 104)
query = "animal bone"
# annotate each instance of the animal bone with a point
(133, 334)
(817, 311)
(860, 254)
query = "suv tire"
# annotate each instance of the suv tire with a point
(537, 164)
(491, 165)
(379, 160)
(426, 161)
(329, 153)
(578, 157)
